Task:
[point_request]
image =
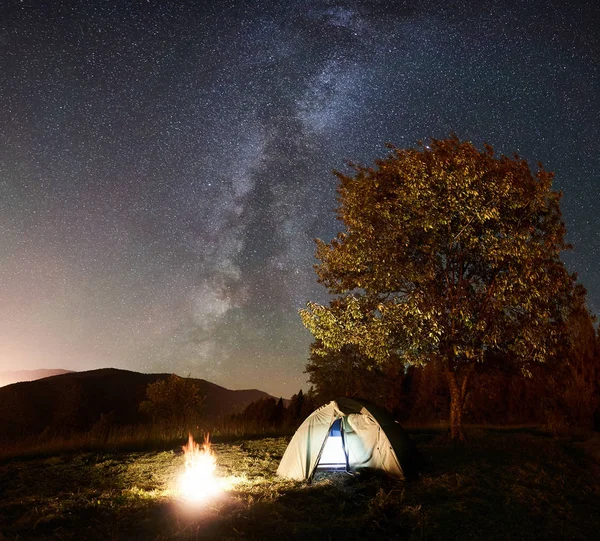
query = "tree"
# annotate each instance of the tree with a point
(301, 406)
(296, 407)
(278, 413)
(450, 254)
(348, 372)
(573, 390)
(174, 400)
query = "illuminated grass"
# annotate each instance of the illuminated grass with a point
(501, 486)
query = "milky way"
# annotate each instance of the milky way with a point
(165, 166)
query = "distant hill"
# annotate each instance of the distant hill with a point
(6, 378)
(74, 402)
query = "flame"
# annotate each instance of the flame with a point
(198, 482)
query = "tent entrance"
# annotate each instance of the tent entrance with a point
(333, 456)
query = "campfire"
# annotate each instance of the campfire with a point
(198, 482)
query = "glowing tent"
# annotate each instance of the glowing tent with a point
(350, 434)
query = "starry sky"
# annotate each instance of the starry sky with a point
(166, 165)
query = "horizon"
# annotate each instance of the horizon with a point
(65, 371)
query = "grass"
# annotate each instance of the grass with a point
(129, 438)
(502, 485)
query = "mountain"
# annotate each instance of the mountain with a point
(6, 378)
(75, 401)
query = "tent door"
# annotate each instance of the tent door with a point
(333, 455)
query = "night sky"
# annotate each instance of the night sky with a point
(165, 165)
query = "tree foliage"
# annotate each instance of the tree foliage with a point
(573, 389)
(449, 254)
(348, 372)
(271, 415)
(174, 400)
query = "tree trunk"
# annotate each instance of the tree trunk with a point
(458, 394)
(456, 410)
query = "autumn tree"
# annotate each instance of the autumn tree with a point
(449, 254)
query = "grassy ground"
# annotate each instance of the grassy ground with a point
(501, 485)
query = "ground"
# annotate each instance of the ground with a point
(500, 485)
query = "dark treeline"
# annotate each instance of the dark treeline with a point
(271, 415)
